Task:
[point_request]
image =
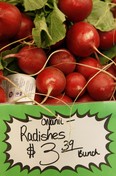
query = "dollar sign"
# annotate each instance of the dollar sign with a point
(30, 151)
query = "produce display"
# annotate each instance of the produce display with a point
(68, 49)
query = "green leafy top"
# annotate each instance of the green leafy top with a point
(49, 20)
(49, 27)
(34, 4)
(101, 16)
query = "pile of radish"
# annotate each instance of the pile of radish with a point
(66, 46)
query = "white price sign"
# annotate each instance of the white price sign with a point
(59, 142)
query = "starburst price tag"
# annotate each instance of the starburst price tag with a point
(61, 140)
(58, 141)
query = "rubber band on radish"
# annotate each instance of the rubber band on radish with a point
(42, 106)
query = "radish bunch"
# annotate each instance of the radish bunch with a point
(79, 67)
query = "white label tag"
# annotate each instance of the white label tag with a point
(59, 142)
(23, 92)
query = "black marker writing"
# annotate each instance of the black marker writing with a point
(82, 153)
(38, 136)
(30, 151)
(50, 151)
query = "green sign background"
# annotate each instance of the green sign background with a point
(101, 109)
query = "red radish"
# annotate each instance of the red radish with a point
(3, 98)
(107, 39)
(25, 28)
(1, 76)
(50, 81)
(88, 66)
(30, 59)
(101, 87)
(114, 66)
(75, 83)
(63, 60)
(85, 98)
(10, 21)
(58, 44)
(3, 46)
(60, 99)
(38, 98)
(76, 10)
(82, 39)
(111, 70)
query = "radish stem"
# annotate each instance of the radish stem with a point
(14, 42)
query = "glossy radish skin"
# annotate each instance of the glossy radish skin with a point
(10, 21)
(114, 65)
(60, 99)
(1, 76)
(25, 28)
(112, 70)
(76, 10)
(3, 98)
(101, 87)
(3, 44)
(107, 39)
(51, 79)
(75, 82)
(38, 98)
(31, 59)
(82, 39)
(58, 44)
(63, 60)
(85, 98)
(89, 66)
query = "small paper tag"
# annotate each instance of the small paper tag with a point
(21, 90)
